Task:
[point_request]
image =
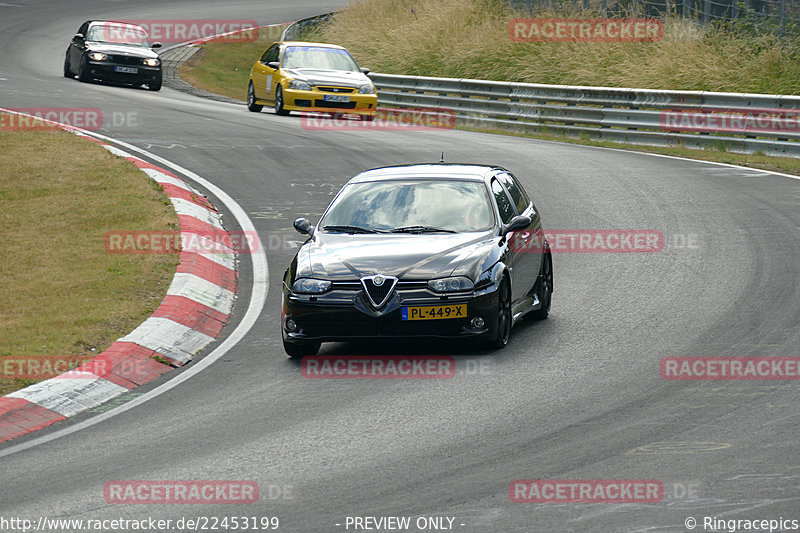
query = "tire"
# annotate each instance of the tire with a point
(251, 100)
(504, 317)
(67, 72)
(155, 86)
(300, 349)
(83, 70)
(279, 109)
(544, 288)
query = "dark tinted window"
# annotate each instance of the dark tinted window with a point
(518, 195)
(503, 203)
(271, 54)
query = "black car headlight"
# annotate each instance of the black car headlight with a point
(98, 56)
(152, 62)
(300, 85)
(452, 284)
(310, 286)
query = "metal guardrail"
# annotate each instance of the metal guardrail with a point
(636, 116)
(296, 28)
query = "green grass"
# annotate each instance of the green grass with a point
(470, 39)
(62, 293)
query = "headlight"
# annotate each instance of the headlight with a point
(150, 62)
(311, 286)
(98, 56)
(454, 284)
(299, 85)
(366, 89)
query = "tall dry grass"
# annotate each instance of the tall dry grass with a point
(470, 39)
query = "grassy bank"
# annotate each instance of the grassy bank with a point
(470, 39)
(62, 293)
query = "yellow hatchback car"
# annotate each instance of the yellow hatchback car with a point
(303, 76)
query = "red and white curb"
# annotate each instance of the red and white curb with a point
(197, 306)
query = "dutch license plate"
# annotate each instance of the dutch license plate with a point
(435, 312)
(343, 98)
(127, 70)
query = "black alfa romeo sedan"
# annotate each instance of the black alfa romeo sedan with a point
(427, 250)
(113, 51)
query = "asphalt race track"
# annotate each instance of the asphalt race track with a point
(578, 396)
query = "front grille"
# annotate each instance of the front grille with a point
(378, 294)
(336, 89)
(125, 60)
(336, 105)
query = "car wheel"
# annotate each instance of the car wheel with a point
(301, 349)
(251, 99)
(504, 319)
(155, 86)
(545, 287)
(279, 110)
(67, 72)
(83, 70)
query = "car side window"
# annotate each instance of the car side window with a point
(271, 54)
(517, 193)
(504, 204)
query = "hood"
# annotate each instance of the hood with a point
(329, 77)
(120, 49)
(343, 257)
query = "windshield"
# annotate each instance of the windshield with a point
(318, 57)
(447, 205)
(118, 34)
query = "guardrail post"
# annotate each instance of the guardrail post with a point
(706, 11)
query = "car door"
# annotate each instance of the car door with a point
(528, 241)
(512, 258)
(265, 77)
(76, 47)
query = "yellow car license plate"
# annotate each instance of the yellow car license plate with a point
(435, 312)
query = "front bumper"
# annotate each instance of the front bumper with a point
(105, 70)
(314, 100)
(343, 315)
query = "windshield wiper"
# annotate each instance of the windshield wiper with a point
(352, 229)
(420, 229)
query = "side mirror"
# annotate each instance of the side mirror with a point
(77, 37)
(156, 45)
(518, 222)
(302, 225)
(365, 70)
(273, 64)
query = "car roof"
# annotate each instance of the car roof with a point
(316, 45)
(455, 171)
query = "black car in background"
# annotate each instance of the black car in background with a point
(429, 250)
(113, 51)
